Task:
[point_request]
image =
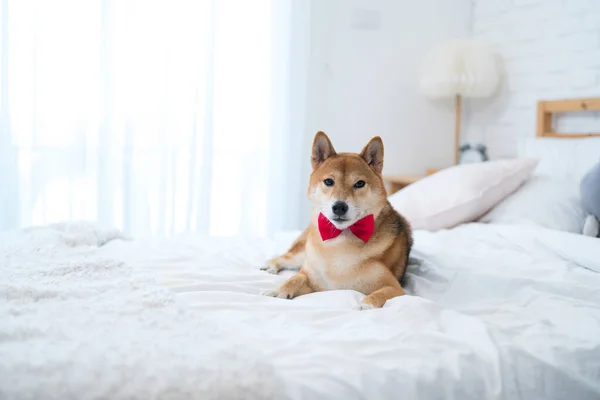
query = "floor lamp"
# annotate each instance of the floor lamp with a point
(457, 69)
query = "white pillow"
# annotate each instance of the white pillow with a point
(461, 193)
(561, 158)
(542, 201)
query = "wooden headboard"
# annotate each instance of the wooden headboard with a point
(547, 108)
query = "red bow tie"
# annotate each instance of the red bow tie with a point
(362, 229)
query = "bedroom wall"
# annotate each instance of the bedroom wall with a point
(364, 60)
(550, 49)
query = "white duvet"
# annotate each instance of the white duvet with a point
(494, 312)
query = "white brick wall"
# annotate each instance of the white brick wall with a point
(548, 49)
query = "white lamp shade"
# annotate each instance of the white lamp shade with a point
(459, 67)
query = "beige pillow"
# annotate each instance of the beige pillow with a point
(460, 194)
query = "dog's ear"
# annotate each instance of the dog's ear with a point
(322, 149)
(373, 154)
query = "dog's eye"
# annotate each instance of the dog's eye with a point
(328, 182)
(359, 184)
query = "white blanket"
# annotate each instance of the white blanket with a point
(494, 312)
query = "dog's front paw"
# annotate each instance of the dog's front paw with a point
(272, 269)
(363, 307)
(277, 293)
(272, 266)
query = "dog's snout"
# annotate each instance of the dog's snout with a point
(339, 208)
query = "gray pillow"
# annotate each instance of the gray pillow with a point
(590, 200)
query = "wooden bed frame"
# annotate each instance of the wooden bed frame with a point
(547, 108)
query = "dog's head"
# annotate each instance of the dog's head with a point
(346, 187)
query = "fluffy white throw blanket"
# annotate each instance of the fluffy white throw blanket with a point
(76, 324)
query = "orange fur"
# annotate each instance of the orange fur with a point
(374, 268)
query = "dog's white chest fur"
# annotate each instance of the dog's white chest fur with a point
(342, 271)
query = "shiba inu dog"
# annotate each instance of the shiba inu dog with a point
(355, 240)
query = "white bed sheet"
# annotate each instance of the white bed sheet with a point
(494, 312)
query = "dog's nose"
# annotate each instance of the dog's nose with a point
(339, 208)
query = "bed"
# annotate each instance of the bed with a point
(493, 311)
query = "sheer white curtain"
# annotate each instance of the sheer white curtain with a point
(157, 117)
